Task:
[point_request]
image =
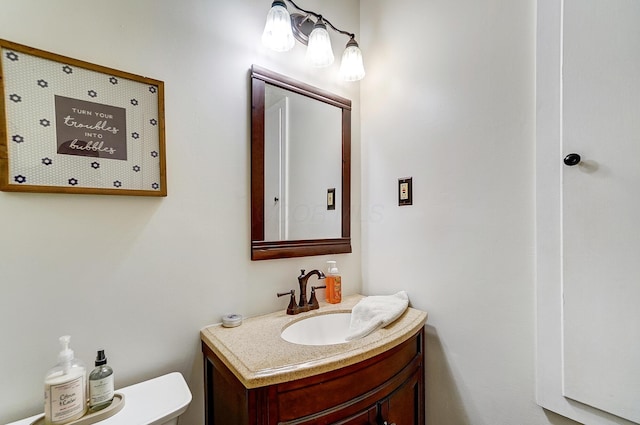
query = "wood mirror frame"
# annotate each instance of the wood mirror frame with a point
(265, 250)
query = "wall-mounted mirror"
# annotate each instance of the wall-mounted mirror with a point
(300, 168)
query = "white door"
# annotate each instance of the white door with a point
(275, 170)
(601, 204)
(589, 251)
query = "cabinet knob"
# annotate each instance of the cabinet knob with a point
(572, 159)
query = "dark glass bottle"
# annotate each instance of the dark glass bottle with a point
(100, 384)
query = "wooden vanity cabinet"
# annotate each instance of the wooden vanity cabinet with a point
(385, 389)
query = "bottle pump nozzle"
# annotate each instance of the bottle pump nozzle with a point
(100, 358)
(66, 355)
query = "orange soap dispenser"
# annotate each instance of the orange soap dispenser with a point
(333, 282)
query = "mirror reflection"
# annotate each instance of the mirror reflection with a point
(300, 168)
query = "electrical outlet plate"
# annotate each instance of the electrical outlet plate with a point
(331, 199)
(405, 191)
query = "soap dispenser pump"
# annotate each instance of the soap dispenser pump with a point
(65, 388)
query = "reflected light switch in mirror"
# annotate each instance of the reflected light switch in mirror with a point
(405, 191)
(331, 199)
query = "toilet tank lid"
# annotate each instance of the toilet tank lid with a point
(151, 402)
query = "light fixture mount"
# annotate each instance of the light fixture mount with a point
(302, 26)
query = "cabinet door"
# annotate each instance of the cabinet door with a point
(403, 406)
(600, 208)
(588, 321)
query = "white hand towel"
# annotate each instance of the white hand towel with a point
(375, 312)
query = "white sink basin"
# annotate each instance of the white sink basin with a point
(322, 329)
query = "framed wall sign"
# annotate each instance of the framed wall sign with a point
(69, 126)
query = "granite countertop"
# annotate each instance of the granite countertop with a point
(258, 356)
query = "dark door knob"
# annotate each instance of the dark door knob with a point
(572, 159)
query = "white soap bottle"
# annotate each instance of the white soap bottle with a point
(65, 388)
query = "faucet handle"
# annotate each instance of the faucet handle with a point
(313, 302)
(292, 308)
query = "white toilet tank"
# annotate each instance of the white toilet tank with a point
(158, 401)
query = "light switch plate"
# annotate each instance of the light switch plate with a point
(405, 191)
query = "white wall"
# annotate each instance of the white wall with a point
(449, 99)
(135, 276)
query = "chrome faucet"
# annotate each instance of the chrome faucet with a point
(303, 305)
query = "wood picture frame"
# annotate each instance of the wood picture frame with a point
(69, 126)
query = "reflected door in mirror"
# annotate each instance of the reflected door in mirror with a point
(275, 170)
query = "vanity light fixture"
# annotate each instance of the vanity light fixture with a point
(310, 29)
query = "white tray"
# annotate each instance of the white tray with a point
(91, 418)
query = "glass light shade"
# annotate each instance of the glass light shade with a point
(319, 51)
(351, 67)
(277, 33)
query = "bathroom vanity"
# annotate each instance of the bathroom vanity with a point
(252, 376)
